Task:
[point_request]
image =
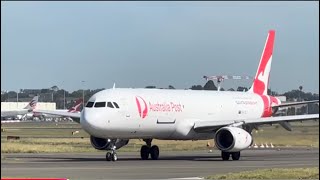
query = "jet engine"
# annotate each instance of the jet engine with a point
(106, 144)
(232, 139)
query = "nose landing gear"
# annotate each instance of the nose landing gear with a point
(147, 150)
(112, 156)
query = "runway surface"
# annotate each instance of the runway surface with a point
(170, 165)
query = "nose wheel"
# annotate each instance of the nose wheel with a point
(147, 150)
(112, 156)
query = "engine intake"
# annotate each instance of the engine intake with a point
(232, 139)
(100, 143)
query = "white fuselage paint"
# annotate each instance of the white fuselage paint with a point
(170, 113)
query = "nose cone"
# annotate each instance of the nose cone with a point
(90, 121)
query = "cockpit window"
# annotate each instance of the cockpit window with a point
(100, 104)
(115, 105)
(89, 104)
(109, 104)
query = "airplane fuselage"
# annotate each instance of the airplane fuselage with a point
(166, 114)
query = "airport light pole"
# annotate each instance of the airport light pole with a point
(64, 97)
(17, 99)
(83, 93)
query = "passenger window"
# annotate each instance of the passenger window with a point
(89, 104)
(110, 105)
(100, 104)
(116, 105)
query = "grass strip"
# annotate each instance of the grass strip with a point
(274, 173)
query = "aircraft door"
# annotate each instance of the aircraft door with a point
(127, 116)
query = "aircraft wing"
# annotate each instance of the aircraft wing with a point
(201, 126)
(74, 116)
(294, 103)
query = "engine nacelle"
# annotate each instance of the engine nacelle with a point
(105, 144)
(100, 143)
(232, 139)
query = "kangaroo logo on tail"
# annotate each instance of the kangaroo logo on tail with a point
(261, 80)
(76, 107)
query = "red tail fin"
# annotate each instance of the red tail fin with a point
(261, 80)
(76, 107)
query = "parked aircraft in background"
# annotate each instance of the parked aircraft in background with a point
(114, 116)
(20, 113)
(43, 113)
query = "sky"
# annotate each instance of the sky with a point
(92, 45)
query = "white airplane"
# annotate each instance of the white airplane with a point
(15, 113)
(114, 116)
(51, 114)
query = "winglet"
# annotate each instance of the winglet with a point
(261, 80)
(114, 86)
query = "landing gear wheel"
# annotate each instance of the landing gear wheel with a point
(108, 156)
(225, 155)
(114, 157)
(235, 155)
(144, 152)
(154, 152)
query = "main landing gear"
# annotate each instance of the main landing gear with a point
(148, 149)
(226, 155)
